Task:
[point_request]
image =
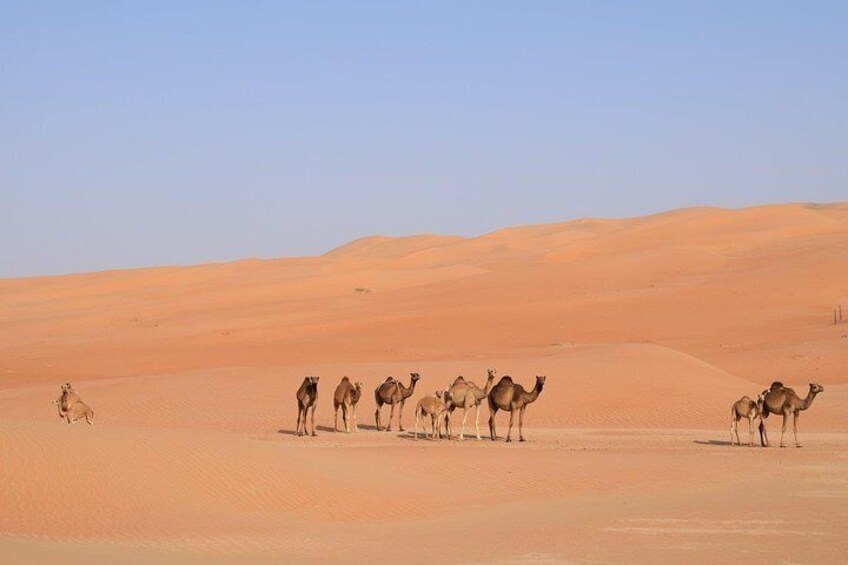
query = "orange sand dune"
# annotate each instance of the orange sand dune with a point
(647, 330)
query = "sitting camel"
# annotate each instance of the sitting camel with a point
(392, 392)
(466, 394)
(782, 400)
(437, 408)
(77, 411)
(346, 397)
(744, 408)
(507, 395)
(307, 397)
(71, 407)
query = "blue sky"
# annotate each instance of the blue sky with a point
(148, 133)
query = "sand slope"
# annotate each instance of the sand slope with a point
(646, 328)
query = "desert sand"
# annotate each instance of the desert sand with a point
(647, 330)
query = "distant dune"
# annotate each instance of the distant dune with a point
(646, 328)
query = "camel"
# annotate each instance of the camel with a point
(782, 400)
(437, 408)
(346, 397)
(465, 394)
(77, 411)
(68, 397)
(307, 397)
(392, 392)
(744, 408)
(507, 395)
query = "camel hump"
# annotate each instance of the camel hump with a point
(459, 379)
(506, 379)
(345, 380)
(776, 385)
(389, 380)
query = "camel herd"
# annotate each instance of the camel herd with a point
(463, 394)
(438, 407)
(777, 400)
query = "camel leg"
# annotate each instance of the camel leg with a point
(417, 418)
(477, 419)
(521, 424)
(509, 432)
(346, 415)
(377, 416)
(734, 431)
(783, 431)
(313, 421)
(391, 417)
(400, 415)
(750, 432)
(732, 424)
(297, 430)
(492, 431)
(764, 441)
(336, 418)
(462, 429)
(355, 421)
(795, 428)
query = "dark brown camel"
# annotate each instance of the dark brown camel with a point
(782, 400)
(507, 395)
(392, 392)
(307, 397)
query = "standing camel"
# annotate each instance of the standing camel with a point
(507, 395)
(307, 397)
(346, 397)
(434, 406)
(466, 394)
(782, 400)
(743, 408)
(392, 392)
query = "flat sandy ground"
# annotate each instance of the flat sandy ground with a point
(647, 330)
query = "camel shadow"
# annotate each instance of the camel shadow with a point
(715, 442)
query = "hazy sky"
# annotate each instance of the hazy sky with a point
(147, 133)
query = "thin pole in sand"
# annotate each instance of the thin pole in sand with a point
(840, 312)
(834, 316)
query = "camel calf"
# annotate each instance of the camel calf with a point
(437, 408)
(744, 408)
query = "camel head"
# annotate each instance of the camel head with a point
(414, 377)
(56, 401)
(492, 374)
(313, 380)
(358, 385)
(816, 388)
(540, 381)
(440, 394)
(67, 387)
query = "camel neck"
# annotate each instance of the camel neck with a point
(407, 391)
(809, 400)
(534, 394)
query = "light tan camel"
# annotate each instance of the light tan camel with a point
(466, 394)
(782, 400)
(392, 392)
(77, 411)
(346, 397)
(307, 397)
(507, 395)
(68, 397)
(743, 408)
(435, 407)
